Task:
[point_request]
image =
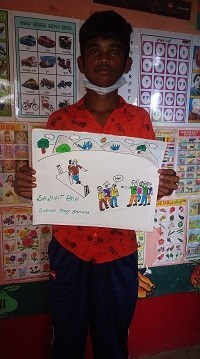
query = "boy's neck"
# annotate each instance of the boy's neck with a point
(101, 106)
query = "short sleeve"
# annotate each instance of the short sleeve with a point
(146, 126)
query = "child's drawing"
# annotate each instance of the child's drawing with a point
(95, 180)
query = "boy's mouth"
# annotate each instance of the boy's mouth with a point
(103, 68)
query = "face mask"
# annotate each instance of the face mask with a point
(105, 90)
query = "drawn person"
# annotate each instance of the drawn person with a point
(139, 193)
(133, 197)
(114, 194)
(101, 197)
(194, 114)
(195, 90)
(144, 187)
(106, 192)
(149, 192)
(75, 167)
(196, 61)
(70, 171)
(104, 59)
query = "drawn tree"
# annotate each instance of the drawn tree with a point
(43, 143)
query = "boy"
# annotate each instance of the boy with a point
(93, 277)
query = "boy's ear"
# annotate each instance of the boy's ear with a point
(128, 65)
(80, 64)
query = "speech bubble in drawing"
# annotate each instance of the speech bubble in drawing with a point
(118, 178)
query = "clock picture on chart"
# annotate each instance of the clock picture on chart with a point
(164, 73)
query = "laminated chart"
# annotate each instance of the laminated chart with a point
(188, 162)
(45, 65)
(5, 86)
(164, 76)
(141, 237)
(194, 101)
(166, 243)
(14, 154)
(168, 136)
(95, 179)
(24, 246)
(193, 229)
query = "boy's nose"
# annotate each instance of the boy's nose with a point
(104, 58)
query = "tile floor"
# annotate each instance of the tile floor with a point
(189, 353)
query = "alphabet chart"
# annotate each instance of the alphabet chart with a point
(164, 74)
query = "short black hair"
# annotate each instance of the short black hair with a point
(106, 25)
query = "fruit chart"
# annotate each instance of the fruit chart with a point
(45, 65)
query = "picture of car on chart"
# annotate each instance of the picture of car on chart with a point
(46, 41)
(47, 61)
(30, 61)
(27, 40)
(65, 42)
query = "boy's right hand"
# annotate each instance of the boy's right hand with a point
(24, 181)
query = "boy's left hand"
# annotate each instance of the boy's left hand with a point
(168, 182)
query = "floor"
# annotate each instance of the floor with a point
(192, 353)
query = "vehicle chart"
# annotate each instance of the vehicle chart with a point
(45, 65)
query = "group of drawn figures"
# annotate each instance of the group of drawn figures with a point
(140, 195)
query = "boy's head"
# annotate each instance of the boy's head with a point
(105, 25)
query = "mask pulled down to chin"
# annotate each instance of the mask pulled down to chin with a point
(105, 90)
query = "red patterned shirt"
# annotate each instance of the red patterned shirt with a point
(98, 244)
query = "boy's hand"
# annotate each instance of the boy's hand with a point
(25, 181)
(168, 182)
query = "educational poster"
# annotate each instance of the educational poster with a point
(95, 179)
(166, 243)
(5, 87)
(14, 153)
(164, 74)
(129, 91)
(193, 229)
(24, 246)
(46, 54)
(188, 162)
(194, 99)
(169, 137)
(141, 237)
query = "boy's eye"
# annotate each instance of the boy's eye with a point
(94, 51)
(115, 51)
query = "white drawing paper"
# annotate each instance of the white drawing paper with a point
(95, 179)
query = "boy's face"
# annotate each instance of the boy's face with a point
(104, 61)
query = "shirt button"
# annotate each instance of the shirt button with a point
(95, 234)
